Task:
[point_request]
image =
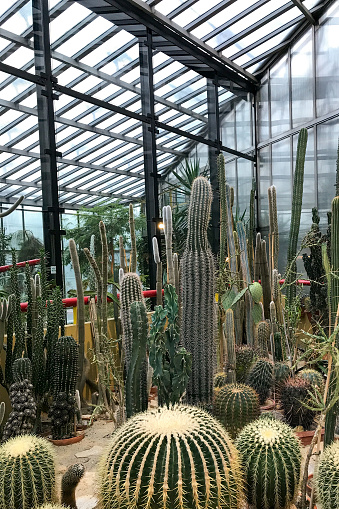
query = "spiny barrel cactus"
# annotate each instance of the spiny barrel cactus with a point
(24, 410)
(27, 473)
(51, 506)
(281, 372)
(171, 458)
(22, 370)
(245, 356)
(130, 291)
(220, 379)
(314, 377)
(260, 378)
(293, 393)
(271, 458)
(235, 405)
(198, 293)
(69, 482)
(327, 478)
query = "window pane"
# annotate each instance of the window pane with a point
(302, 81)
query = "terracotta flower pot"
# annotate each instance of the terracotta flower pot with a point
(306, 436)
(68, 441)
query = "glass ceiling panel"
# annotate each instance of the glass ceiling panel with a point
(20, 21)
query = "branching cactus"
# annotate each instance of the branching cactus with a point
(27, 473)
(168, 232)
(230, 345)
(130, 291)
(271, 457)
(235, 405)
(198, 329)
(327, 478)
(136, 382)
(173, 459)
(260, 378)
(297, 200)
(133, 255)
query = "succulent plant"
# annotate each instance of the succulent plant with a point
(61, 413)
(220, 379)
(230, 347)
(271, 457)
(130, 291)
(235, 405)
(171, 458)
(245, 357)
(22, 369)
(264, 331)
(327, 478)
(281, 372)
(24, 410)
(314, 377)
(27, 473)
(51, 506)
(69, 482)
(293, 393)
(260, 378)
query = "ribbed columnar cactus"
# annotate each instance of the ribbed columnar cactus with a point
(22, 370)
(158, 263)
(297, 200)
(29, 319)
(27, 473)
(278, 347)
(130, 291)
(273, 221)
(235, 405)
(198, 293)
(245, 357)
(122, 254)
(168, 232)
(133, 254)
(271, 458)
(172, 459)
(246, 275)
(223, 208)
(136, 382)
(230, 347)
(260, 378)
(281, 372)
(293, 393)
(327, 478)
(264, 330)
(24, 409)
(251, 229)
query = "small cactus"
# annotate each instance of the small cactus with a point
(264, 331)
(27, 473)
(69, 482)
(314, 377)
(281, 372)
(220, 379)
(245, 356)
(271, 457)
(293, 393)
(235, 405)
(260, 378)
(171, 458)
(327, 477)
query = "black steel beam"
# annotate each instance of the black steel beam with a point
(305, 11)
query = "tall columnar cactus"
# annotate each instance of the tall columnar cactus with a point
(27, 473)
(294, 393)
(274, 232)
(247, 281)
(121, 254)
(130, 291)
(19, 329)
(22, 370)
(38, 356)
(260, 378)
(262, 272)
(235, 405)
(245, 358)
(223, 209)
(278, 347)
(251, 228)
(158, 263)
(29, 319)
(4, 313)
(136, 382)
(168, 232)
(264, 331)
(297, 199)
(327, 478)
(172, 459)
(92, 278)
(133, 254)
(230, 347)
(198, 293)
(281, 373)
(80, 312)
(176, 274)
(271, 457)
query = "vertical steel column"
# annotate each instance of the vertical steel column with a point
(48, 153)
(213, 152)
(149, 132)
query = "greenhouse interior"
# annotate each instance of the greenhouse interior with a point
(169, 254)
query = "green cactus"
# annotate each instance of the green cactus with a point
(245, 357)
(247, 281)
(51, 506)
(172, 364)
(327, 477)
(264, 330)
(220, 379)
(293, 393)
(260, 378)
(29, 319)
(24, 410)
(278, 347)
(235, 405)
(262, 272)
(69, 482)
(223, 209)
(198, 327)
(130, 291)
(297, 199)
(271, 458)
(256, 291)
(158, 263)
(27, 473)
(230, 347)
(314, 377)
(168, 232)
(133, 254)
(171, 458)
(22, 370)
(19, 329)
(281, 372)
(38, 355)
(251, 229)
(136, 381)
(9, 345)
(273, 222)
(2, 412)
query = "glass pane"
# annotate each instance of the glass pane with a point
(263, 184)
(243, 125)
(327, 144)
(280, 98)
(244, 186)
(263, 111)
(302, 81)
(228, 130)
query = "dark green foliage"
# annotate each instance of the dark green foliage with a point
(315, 270)
(235, 405)
(27, 473)
(293, 393)
(23, 414)
(171, 363)
(260, 378)
(271, 457)
(245, 356)
(30, 247)
(22, 370)
(136, 381)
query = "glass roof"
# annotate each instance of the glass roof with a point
(102, 157)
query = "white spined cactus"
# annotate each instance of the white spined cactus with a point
(327, 478)
(171, 459)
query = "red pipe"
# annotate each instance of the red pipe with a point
(5, 268)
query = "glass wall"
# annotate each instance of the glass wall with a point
(300, 90)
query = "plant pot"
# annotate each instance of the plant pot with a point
(269, 405)
(306, 436)
(69, 441)
(153, 393)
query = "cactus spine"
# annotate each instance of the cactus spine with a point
(272, 459)
(295, 217)
(327, 477)
(220, 379)
(146, 463)
(260, 378)
(198, 290)
(230, 343)
(122, 254)
(27, 473)
(136, 383)
(235, 405)
(131, 291)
